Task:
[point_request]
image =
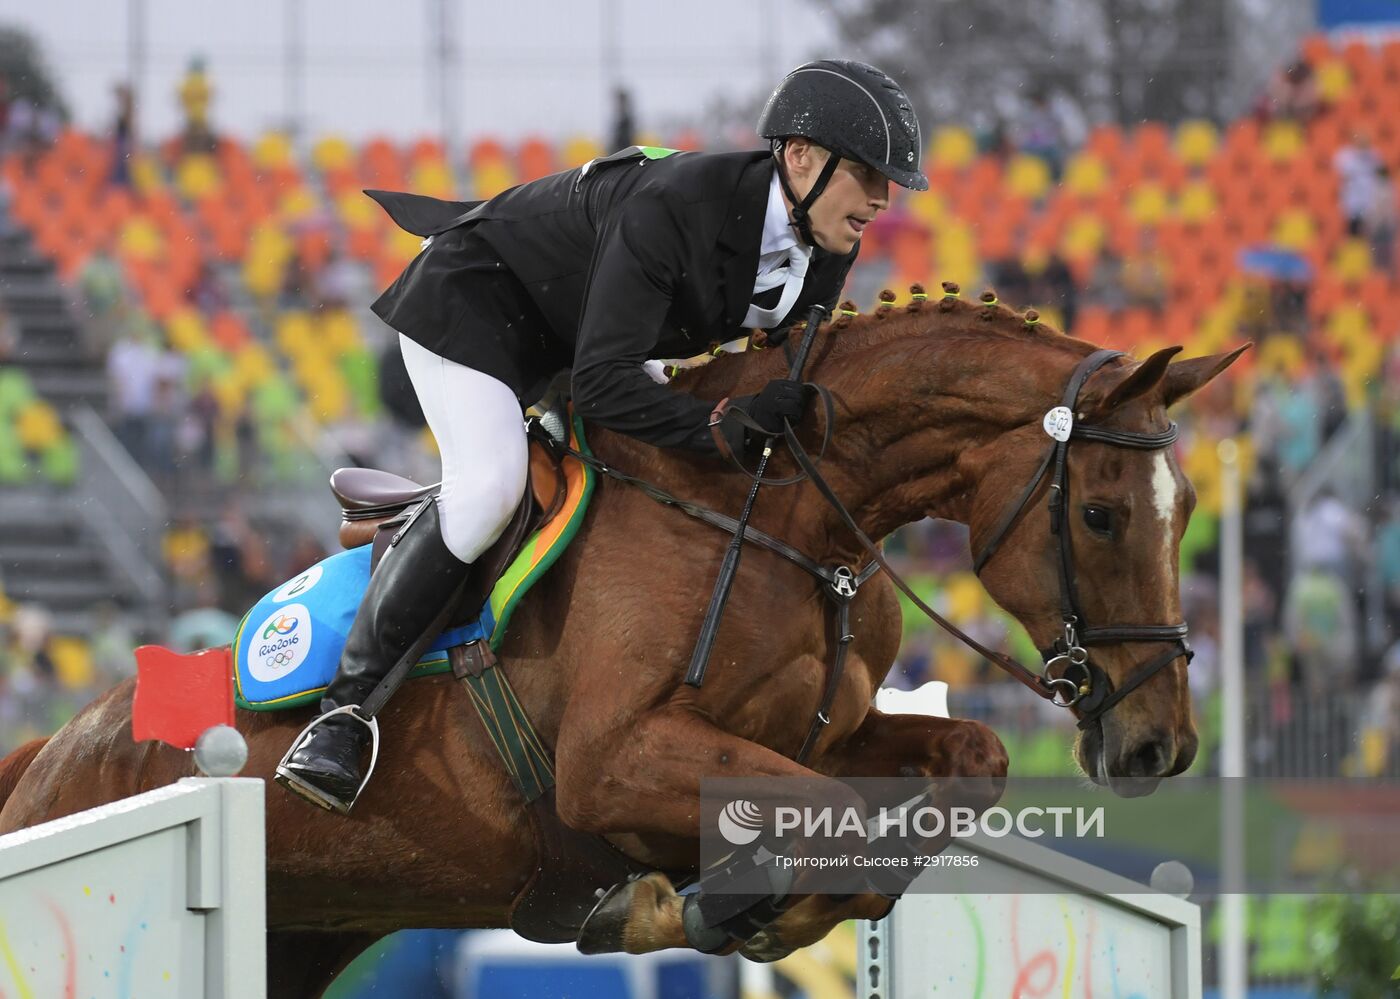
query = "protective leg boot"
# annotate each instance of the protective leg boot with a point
(409, 589)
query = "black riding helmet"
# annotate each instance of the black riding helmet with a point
(854, 111)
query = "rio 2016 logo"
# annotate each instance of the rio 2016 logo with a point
(283, 624)
(284, 644)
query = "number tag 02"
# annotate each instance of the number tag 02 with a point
(1059, 422)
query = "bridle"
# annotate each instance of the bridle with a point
(1081, 682)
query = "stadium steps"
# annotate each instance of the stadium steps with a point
(51, 348)
(48, 553)
(48, 557)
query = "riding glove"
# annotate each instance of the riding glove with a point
(781, 399)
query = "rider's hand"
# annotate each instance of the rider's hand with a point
(781, 399)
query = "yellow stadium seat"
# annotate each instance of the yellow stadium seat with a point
(339, 333)
(231, 392)
(928, 207)
(332, 152)
(1082, 237)
(1333, 80)
(146, 174)
(1282, 140)
(1352, 261)
(953, 147)
(197, 176)
(1085, 175)
(298, 204)
(963, 594)
(1196, 202)
(1148, 204)
(578, 151)
(493, 177)
(253, 365)
(72, 661)
(1196, 141)
(186, 331)
(296, 335)
(1295, 230)
(326, 395)
(433, 178)
(1348, 323)
(404, 245)
(37, 426)
(956, 254)
(356, 210)
(141, 239)
(1028, 176)
(273, 150)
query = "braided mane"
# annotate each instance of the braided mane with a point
(948, 317)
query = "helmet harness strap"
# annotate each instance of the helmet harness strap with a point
(800, 218)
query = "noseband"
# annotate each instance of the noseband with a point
(1081, 683)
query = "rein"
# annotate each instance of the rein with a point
(1082, 684)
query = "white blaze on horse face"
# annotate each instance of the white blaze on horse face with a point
(1164, 495)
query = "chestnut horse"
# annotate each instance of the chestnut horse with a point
(938, 413)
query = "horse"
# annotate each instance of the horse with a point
(938, 412)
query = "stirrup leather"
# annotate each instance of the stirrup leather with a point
(295, 783)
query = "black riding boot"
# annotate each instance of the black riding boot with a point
(409, 589)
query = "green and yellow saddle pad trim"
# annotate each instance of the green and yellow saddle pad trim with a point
(288, 645)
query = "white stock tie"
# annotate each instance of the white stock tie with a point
(790, 277)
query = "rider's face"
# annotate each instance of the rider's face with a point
(846, 205)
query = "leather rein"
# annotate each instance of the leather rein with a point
(1081, 685)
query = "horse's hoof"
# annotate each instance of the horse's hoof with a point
(765, 947)
(603, 928)
(648, 906)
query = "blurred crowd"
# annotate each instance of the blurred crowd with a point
(221, 381)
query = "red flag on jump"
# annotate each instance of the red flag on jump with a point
(179, 696)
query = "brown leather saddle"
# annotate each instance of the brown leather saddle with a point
(375, 504)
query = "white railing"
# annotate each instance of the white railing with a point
(121, 507)
(164, 893)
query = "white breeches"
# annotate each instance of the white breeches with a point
(480, 433)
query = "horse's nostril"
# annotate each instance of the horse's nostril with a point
(1150, 759)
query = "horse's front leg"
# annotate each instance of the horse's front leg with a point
(644, 779)
(916, 746)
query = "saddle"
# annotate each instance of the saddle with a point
(375, 505)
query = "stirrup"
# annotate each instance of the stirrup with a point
(295, 783)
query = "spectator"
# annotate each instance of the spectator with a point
(132, 376)
(1329, 536)
(1041, 135)
(338, 283)
(1380, 221)
(1320, 623)
(1291, 94)
(103, 293)
(123, 135)
(624, 127)
(112, 644)
(195, 95)
(9, 334)
(1145, 275)
(1358, 169)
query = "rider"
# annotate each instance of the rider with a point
(642, 254)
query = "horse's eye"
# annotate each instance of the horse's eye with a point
(1098, 519)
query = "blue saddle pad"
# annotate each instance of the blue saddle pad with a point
(289, 644)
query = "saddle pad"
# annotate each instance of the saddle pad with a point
(288, 645)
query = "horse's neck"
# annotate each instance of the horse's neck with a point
(913, 415)
(906, 410)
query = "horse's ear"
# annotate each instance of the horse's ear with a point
(1185, 377)
(1107, 389)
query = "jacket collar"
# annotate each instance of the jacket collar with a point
(742, 233)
